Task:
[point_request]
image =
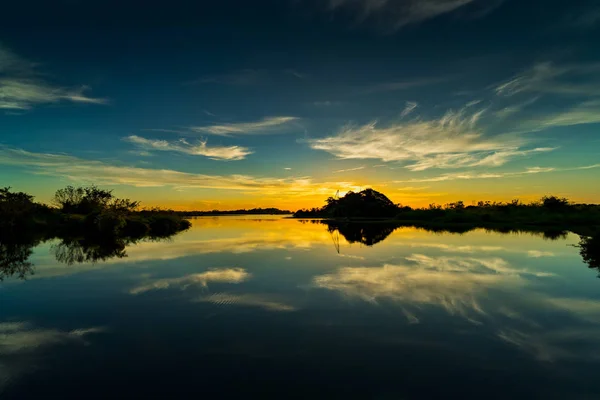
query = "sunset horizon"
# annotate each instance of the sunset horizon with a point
(187, 115)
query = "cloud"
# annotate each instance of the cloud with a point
(327, 103)
(585, 113)
(227, 275)
(249, 77)
(548, 78)
(495, 175)
(98, 172)
(246, 300)
(392, 15)
(516, 108)
(409, 108)
(21, 338)
(588, 19)
(228, 153)
(271, 125)
(348, 170)
(452, 283)
(539, 254)
(402, 85)
(21, 88)
(452, 141)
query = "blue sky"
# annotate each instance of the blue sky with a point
(282, 103)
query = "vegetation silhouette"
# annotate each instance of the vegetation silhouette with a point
(589, 248)
(551, 213)
(14, 258)
(253, 211)
(369, 217)
(92, 224)
(86, 250)
(367, 234)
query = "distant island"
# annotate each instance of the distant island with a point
(550, 212)
(369, 217)
(253, 211)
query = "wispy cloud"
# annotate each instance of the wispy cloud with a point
(223, 275)
(228, 153)
(409, 108)
(495, 175)
(402, 85)
(246, 300)
(270, 125)
(91, 171)
(339, 171)
(515, 108)
(585, 113)
(452, 141)
(327, 103)
(21, 88)
(23, 338)
(456, 284)
(391, 15)
(250, 77)
(549, 78)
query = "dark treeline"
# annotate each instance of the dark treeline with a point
(91, 224)
(370, 233)
(549, 212)
(88, 211)
(253, 211)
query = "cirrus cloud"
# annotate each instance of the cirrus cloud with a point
(265, 126)
(451, 141)
(228, 153)
(21, 88)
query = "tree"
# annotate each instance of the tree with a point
(554, 202)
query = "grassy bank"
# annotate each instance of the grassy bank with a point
(550, 213)
(88, 211)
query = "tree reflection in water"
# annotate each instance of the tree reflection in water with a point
(367, 234)
(86, 250)
(14, 259)
(589, 248)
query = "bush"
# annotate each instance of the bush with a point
(110, 223)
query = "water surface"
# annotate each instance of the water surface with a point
(274, 307)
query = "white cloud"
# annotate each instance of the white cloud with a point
(392, 15)
(452, 141)
(401, 85)
(515, 108)
(91, 171)
(585, 113)
(182, 146)
(495, 175)
(271, 125)
(453, 283)
(327, 103)
(409, 108)
(246, 300)
(226, 275)
(21, 88)
(548, 78)
(18, 338)
(348, 170)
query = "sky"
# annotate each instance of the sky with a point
(201, 105)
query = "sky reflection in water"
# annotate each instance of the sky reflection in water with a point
(270, 307)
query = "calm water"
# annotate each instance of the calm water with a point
(240, 307)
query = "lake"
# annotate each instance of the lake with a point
(271, 307)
